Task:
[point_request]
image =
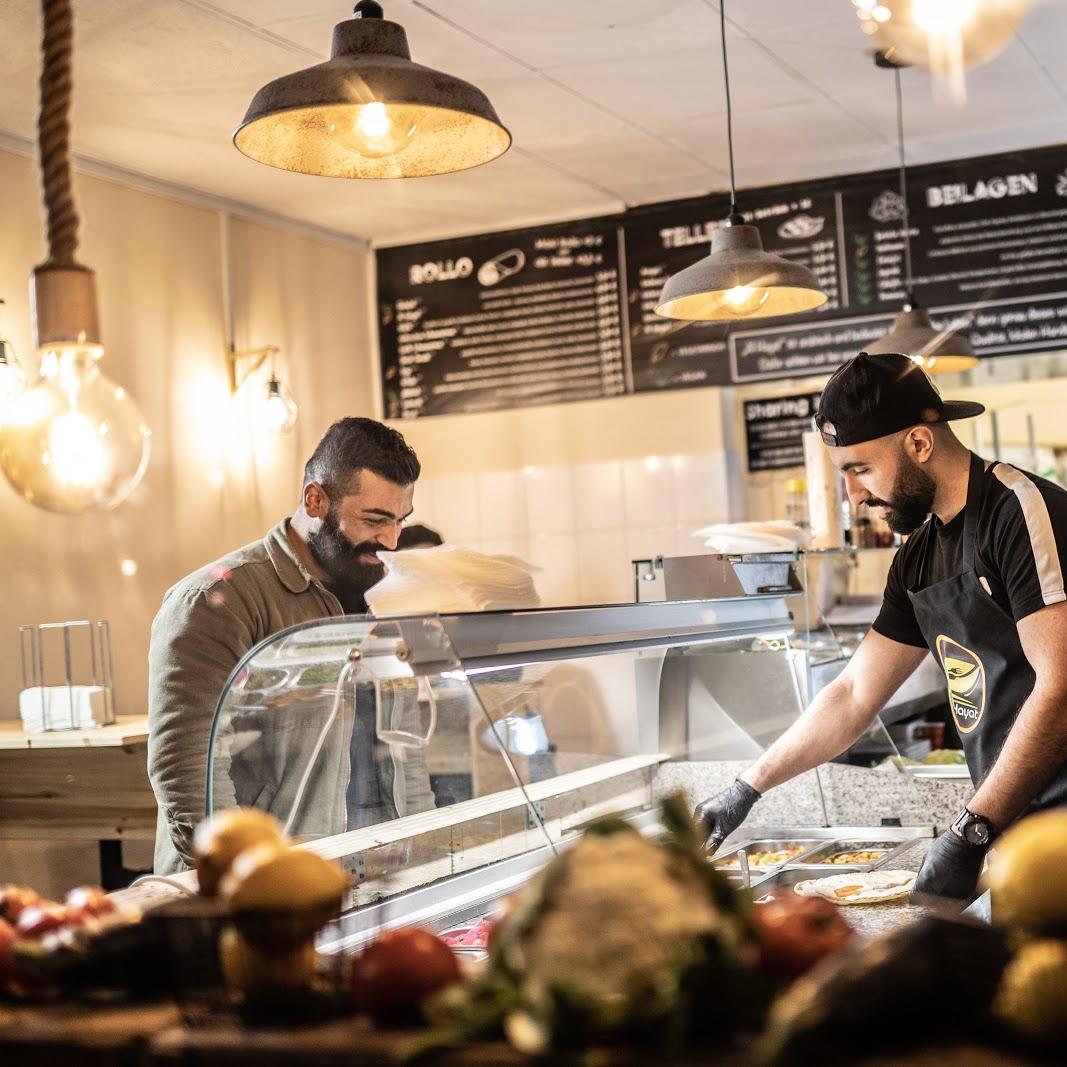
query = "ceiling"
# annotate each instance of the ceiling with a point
(611, 103)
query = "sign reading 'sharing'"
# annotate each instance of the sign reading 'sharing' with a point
(965, 675)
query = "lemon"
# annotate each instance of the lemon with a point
(271, 877)
(1027, 873)
(220, 838)
(1032, 998)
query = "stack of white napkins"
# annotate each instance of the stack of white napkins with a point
(448, 579)
(64, 707)
(738, 537)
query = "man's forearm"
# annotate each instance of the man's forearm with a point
(1035, 748)
(832, 722)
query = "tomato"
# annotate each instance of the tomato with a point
(39, 919)
(7, 939)
(90, 900)
(796, 932)
(15, 898)
(396, 972)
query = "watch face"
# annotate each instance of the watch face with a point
(976, 833)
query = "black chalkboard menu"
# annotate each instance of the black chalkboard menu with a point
(567, 312)
(799, 222)
(774, 429)
(989, 244)
(501, 321)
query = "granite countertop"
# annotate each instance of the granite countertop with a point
(874, 919)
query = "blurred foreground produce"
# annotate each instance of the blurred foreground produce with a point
(395, 973)
(278, 897)
(794, 933)
(1027, 875)
(219, 839)
(1027, 880)
(830, 1015)
(618, 938)
(1032, 999)
(47, 948)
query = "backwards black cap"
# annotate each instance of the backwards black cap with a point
(872, 396)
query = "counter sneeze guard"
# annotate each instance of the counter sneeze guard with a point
(440, 759)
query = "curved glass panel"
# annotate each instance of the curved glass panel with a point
(339, 725)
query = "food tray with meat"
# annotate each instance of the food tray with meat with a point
(853, 852)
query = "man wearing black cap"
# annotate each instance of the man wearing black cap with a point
(980, 583)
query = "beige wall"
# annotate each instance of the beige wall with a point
(212, 482)
(579, 489)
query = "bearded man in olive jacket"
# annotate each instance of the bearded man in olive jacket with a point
(357, 492)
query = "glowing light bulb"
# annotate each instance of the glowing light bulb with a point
(945, 36)
(129, 568)
(12, 376)
(277, 411)
(73, 440)
(379, 130)
(75, 451)
(745, 299)
(942, 16)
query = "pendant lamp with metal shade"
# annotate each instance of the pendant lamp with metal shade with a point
(370, 112)
(739, 280)
(912, 333)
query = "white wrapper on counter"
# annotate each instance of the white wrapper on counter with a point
(449, 578)
(736, 538)
(64, 707)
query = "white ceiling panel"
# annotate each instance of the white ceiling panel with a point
(686, 81)
(555, 33)
(433, 42)
(611, 102)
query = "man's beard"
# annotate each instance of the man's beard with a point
(348, 576)
(911, 501)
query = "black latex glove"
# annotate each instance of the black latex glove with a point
(951, 869)
(725, 811)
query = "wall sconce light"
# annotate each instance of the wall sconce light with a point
(275, 409)
(73, 440)
(12, 376)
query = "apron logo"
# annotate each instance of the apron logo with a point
(965, 675)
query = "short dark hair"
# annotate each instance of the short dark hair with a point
(352, 445)
(417, 534)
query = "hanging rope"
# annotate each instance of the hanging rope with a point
(53, 133)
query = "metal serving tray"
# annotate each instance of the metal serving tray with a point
(819, 859)
(817, 839)
(721, 860)
(780, 883)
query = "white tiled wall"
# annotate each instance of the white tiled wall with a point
(581, 524)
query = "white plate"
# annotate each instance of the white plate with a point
(939, 770)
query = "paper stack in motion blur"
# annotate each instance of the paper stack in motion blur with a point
(67, 675)
(738, 538)
(452, 579)
(64, 707)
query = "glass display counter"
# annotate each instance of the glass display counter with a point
(440, 759)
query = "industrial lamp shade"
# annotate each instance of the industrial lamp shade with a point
(938, 351)
(370, 112)
(739, 280)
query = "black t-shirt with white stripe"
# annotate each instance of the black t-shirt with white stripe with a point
(1020, 552)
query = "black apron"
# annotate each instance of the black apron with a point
(976, 642)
